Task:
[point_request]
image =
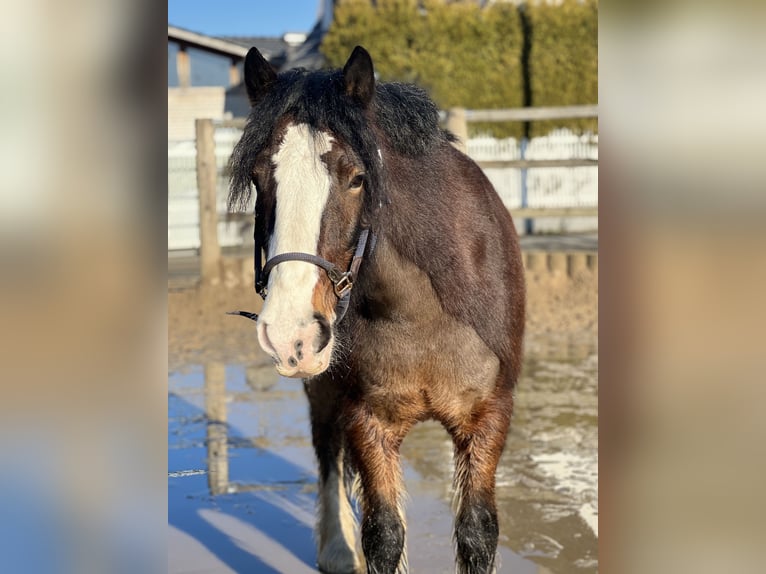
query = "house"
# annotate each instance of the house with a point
(205, 80)
(205, 73)
(205, 76)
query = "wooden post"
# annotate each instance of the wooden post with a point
(558, 263)
(183, 66)
(578, 262)
(217, 435)
(593, 262)
(537, 261)
(233, 73)
(207, 184)
(457, 124)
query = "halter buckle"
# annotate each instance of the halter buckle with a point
(343, 284)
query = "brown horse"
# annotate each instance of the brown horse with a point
(393, 286)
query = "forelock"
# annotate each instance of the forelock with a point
(404, 115)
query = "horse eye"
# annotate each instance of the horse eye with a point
(356, 182)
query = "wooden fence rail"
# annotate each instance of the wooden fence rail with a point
(238, 123)
(532, 114)
(532, 163)
(456, 120)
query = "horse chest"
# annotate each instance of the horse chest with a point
(419, 369)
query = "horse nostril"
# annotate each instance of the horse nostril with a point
(292, 361)
(325, 332)
(265, 342)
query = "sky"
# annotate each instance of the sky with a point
(243, 17)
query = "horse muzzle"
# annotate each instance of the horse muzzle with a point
(300, 352)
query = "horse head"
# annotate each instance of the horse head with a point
(312, 177)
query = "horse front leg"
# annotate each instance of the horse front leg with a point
(374, 447)
(478, 443)
(336, 524)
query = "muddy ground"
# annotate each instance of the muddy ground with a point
(241, 471)
(199, 329)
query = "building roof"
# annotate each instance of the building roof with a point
(307, 55)
(208, 43)
(268, 46)
(276, 50)
(291, 50)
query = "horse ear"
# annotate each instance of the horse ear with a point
(359, 76)
(259, 75)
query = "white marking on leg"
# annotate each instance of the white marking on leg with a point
(337, 527)
(401, 502)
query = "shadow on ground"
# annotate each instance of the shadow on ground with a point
(241, 482)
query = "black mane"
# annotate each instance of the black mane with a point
(404, 114)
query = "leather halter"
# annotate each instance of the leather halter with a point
(342, 281)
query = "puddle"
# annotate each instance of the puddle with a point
(241, 475)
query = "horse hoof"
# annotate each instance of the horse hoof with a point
(339, 559)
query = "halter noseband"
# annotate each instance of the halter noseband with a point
(342, 281)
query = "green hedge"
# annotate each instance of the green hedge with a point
(469, 56)
(564, 59)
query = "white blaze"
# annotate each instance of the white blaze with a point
(303, 185)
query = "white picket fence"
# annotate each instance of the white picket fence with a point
(546, 187)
